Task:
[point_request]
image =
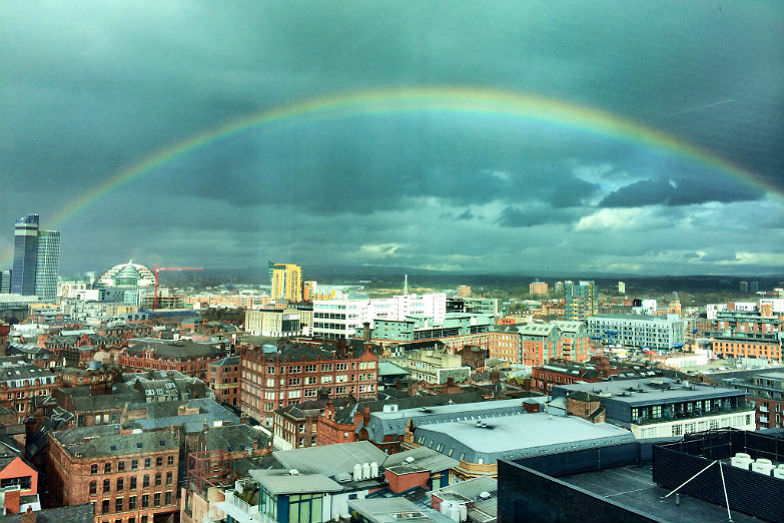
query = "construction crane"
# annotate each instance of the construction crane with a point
(157, 268)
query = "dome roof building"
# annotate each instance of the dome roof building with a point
(127, 275)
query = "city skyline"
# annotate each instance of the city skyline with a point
(620, 138)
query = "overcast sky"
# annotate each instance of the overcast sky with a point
(91, 88)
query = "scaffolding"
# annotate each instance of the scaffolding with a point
(210, 468)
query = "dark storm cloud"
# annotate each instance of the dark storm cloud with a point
(92, 90)
(465, 215)
(531, 216)
(676, 191)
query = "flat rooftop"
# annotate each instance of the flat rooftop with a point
(633, 487)
(647, 390)
(516, 436)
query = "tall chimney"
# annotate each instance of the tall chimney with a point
(366, 331)
(405, 284)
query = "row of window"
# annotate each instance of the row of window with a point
(107, 467)
(132, 485)
(120, 505)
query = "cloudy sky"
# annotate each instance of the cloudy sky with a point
(90, 89)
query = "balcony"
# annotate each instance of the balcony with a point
(666, 418)
(763, 408)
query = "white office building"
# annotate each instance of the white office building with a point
(345, 318)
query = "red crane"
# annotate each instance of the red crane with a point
(155, 294)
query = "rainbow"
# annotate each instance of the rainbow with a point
(472, 100)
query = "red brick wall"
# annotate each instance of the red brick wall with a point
(401, 482)
(70, 478)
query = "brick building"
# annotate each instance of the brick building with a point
(504, 344)
(761, 345)
(542, 342)
(24, 387)
(538, 288)
(271, 379)
(337, 422)
(187, 357)
(129, 475)
(766, 391)
(748, 321)
(296, 426)
(343, 421)
(5, 329)
(564, 372)
(223, 377)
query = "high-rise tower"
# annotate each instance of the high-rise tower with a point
(47, 265)
(36, 259)
(25, 255)
(286, 281)
(581, 300)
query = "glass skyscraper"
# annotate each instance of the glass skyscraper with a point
(47, 265)
(25, 255)
(36, 259)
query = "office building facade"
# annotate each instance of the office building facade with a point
(36, 259)
(5, 281)
(25, 255)
(47, 265)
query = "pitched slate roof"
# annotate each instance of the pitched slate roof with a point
(106, 440)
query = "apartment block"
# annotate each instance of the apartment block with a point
(582, 300)
(639, 331)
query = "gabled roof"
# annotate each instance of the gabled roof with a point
(423, 458)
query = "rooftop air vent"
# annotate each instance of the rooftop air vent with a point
(485, 495)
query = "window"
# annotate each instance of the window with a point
(134, 464)
(146, 481)
(147, 462)
(170, 460)
(158, 479)
(131, 503)
(156, 499)
(105, 506)
(133, 483)
(106, 486)
(305, 508)
(94, 468)
(107, 468)
(168, 478)
(168, 498)
(120, 466)
(92, 487)
(118, 505)
(145, 500)
(159, 461)
(120, 484)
